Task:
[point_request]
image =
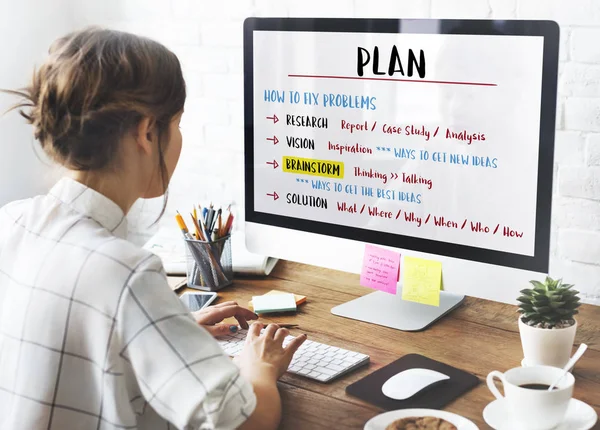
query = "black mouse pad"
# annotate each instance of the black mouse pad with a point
(435, 396)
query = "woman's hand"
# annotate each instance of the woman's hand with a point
(210, 318)
(264, 356)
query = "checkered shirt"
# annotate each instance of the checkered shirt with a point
(91, 336)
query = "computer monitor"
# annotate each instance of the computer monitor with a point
(433, 138)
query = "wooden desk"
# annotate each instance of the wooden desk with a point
(479, 337)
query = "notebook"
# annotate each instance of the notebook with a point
(299, 299)
(271, 303)
(438, 396)
(169, 246)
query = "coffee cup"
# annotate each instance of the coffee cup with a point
(527, 400)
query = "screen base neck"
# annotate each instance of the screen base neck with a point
(389, 310)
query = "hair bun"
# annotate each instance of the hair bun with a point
(94, 87)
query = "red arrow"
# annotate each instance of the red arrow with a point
(274, 195)
(274, 118)
(275, 165)
(274, 139)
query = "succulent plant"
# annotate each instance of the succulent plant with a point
(551, 304)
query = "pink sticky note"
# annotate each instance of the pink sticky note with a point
(380, 269)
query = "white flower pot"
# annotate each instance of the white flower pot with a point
(549, 347)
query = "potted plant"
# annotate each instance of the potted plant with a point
(547, 324)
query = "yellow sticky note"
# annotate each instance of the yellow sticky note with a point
(422, 281)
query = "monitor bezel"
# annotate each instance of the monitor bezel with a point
(549, 30)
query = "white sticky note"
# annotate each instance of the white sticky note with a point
(274, 303)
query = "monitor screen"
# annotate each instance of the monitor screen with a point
(430, 135)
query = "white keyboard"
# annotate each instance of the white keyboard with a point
(313, 360)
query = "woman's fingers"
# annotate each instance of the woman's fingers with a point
(271, 330)
(216, 315)
(220, 305)
(242, 321)
(280, 335)
(294, 344)
(220, 329)
(254, 330)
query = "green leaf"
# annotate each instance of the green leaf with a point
(542, 309)
(542, 301)
(538, 285)
(526, 308)
(557, 305)
(524, 299)
(550, 319)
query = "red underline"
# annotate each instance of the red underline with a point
(359, 78)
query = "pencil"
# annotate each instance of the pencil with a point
(224, 231)
(204, 230)
(182, 225)
(219, 223)
(197, 227)
(229, 224)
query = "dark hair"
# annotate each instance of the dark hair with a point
(97, 85)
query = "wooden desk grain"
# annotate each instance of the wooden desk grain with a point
(479, 337)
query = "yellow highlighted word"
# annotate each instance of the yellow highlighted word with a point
(308, 166)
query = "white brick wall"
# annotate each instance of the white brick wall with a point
(584, 45)
(207, 37)
(593, 150)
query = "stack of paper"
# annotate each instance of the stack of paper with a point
(270, 303)
(298, 298)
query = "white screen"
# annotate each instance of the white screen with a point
(486, 87)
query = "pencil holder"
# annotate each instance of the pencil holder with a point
(209, 265)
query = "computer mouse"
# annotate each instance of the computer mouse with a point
(409, 382)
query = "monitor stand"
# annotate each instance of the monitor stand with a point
(391, 311)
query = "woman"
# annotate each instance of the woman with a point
(91, 336)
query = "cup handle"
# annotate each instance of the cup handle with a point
(492, 386)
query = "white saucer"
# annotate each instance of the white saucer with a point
(580, 416)
(381, 421)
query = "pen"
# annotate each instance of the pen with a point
(209, 219)
(235, 329)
